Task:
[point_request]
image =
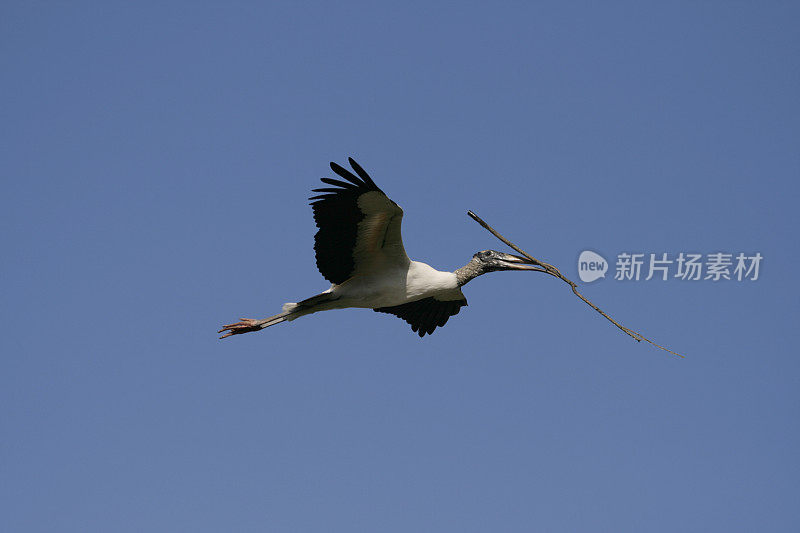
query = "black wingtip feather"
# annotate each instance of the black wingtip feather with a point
(346, 174)
(361, 172)
(338, 183)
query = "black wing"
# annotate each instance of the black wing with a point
(425, 315)
(359, 226)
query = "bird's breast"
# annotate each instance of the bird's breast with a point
(394, 287)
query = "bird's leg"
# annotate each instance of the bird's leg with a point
(245, 325)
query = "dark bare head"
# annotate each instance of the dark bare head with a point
(491, 261)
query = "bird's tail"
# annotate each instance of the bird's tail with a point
(275, 319)
(292, 310)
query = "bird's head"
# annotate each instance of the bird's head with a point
(492, 261)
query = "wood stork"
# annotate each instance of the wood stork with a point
(359, 249)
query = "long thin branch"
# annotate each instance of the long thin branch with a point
(553, 271)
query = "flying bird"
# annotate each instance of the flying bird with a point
(359, 249)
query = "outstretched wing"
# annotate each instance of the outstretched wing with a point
(359, 226)
(427, 314)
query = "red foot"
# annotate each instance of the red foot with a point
(246, 325)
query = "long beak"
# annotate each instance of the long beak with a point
(515, 262)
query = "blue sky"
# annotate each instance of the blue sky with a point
(156, 164)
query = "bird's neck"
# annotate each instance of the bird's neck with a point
(468, 272)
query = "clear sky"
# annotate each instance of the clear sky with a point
(156, 160)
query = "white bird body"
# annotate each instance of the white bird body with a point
(388, 288)
(359, 249)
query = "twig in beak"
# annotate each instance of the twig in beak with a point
(553, 271)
